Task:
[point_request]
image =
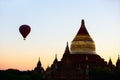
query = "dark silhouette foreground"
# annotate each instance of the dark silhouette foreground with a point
(94, 74)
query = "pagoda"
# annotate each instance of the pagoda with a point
(77, 60)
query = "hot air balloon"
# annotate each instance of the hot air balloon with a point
(24, 30)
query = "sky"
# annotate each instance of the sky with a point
(53, 23)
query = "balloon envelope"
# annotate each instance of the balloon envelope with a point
(24, 30)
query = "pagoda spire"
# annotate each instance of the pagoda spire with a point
(39, 58)
(67, 43)
(110, 65)
(110, 62)
(39, 63)
(55, 63)
(82, 22)
(55, 60)
(66, 52)
(82, 29)
(39, 68)
(55, 56)
(82, 43)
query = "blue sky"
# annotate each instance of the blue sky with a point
(53, 23)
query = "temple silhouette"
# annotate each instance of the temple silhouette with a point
(79, 62)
